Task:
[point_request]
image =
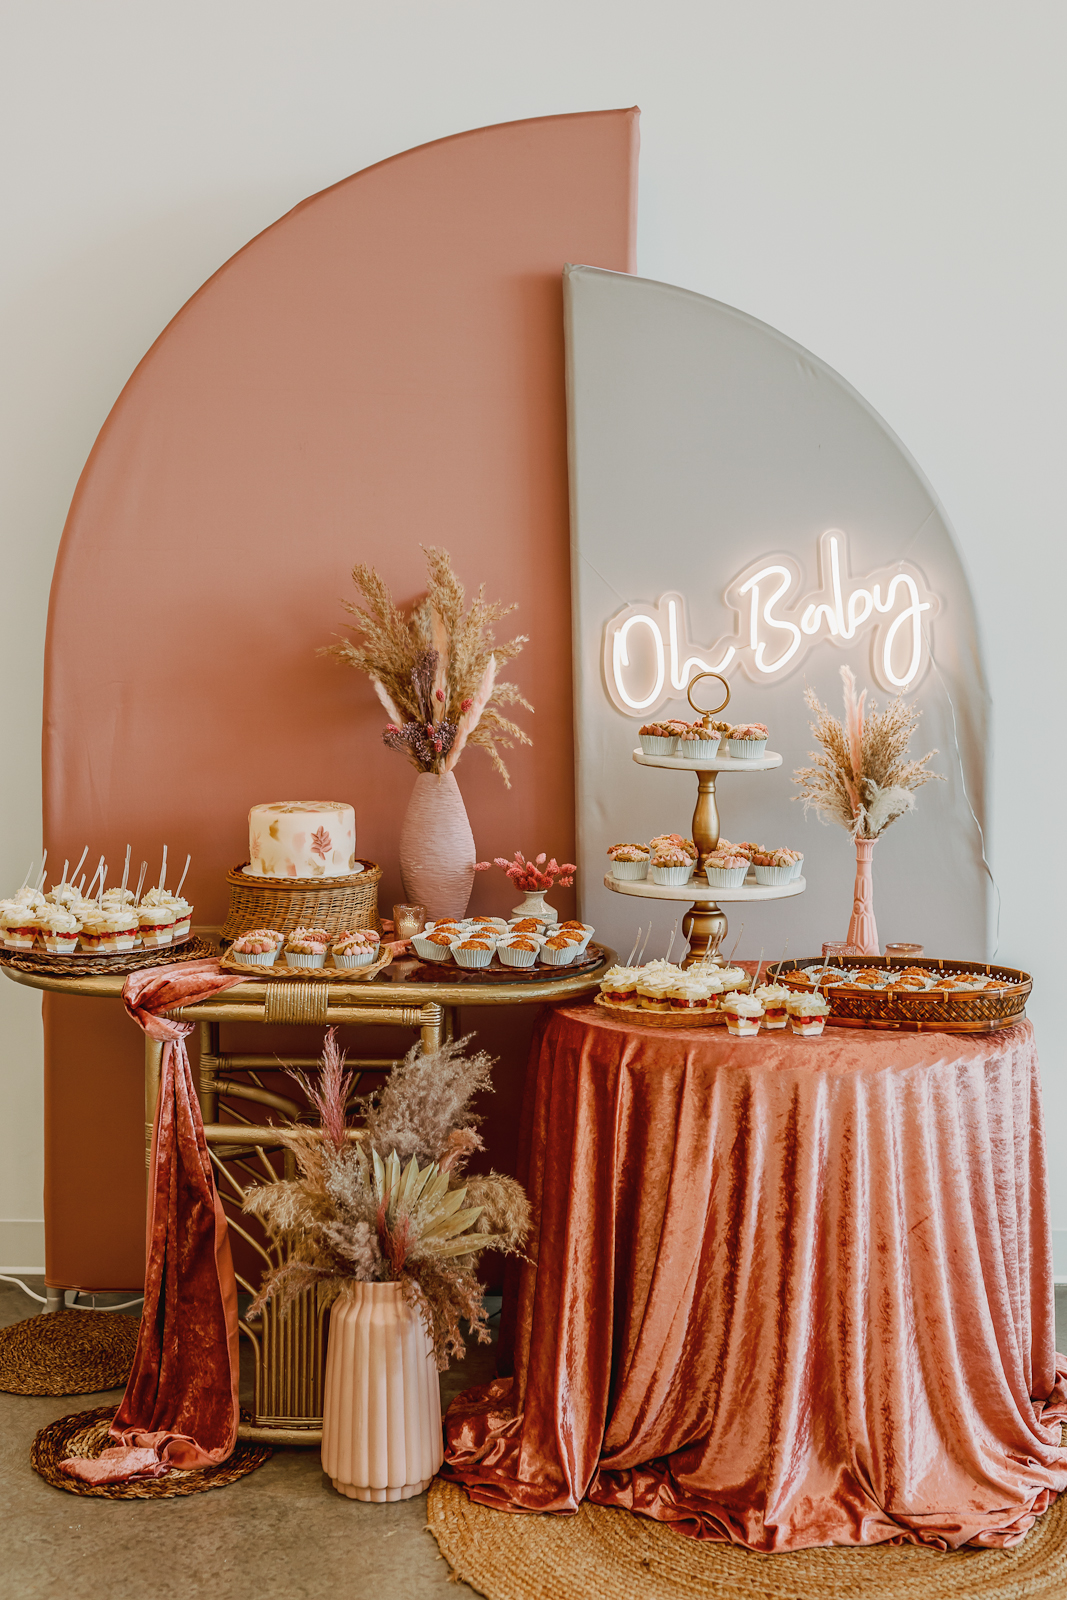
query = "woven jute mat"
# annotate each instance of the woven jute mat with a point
(85, 1434)
(615, 1555)
(67, 1352)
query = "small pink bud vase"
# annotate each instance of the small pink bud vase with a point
(863, 930)
(381, 1411)
(437, 853)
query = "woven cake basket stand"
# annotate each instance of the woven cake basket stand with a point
(288, 903)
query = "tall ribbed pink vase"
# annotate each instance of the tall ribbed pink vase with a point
(381, 1411)
(437, 847)
(863, 930)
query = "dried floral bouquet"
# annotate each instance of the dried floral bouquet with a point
(863, 778)
(435, 671)
(388, 1203)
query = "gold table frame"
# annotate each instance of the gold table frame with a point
(289, 1348)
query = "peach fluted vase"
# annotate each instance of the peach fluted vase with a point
(381, 1412)
(437, 847)
(863, 930)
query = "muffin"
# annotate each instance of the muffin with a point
(436, 946)
(307, 947)
(775, 998)
(629, 862)
(807, 1014)
(518, 950)
(747, 741)
(526, 925)
(743, 1013)
(658, 739)
(725, 871)
(258, 947)
(474, 952)
(558, 951)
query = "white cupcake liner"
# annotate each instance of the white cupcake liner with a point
(630, 871)
(517, 958)
(655, 746)
(431, 952)
(671, 874)
(494, 928)
(305, 958)
(747, 749)
(698, 749)
(798, 868)
(558, 958)
(360, 958)
(255, 958)
(472, 959)
(725, 877)
(771, 875)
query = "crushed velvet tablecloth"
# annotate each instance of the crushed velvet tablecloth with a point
(787, 1292)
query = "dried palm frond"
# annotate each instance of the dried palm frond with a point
(863, 777)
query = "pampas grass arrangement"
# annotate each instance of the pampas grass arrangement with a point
(388, 1202)
(435, 672)
(863, 778)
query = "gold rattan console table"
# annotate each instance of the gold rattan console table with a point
(289, 1348)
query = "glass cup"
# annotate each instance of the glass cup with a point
(839, 948)
(408, 921)
(903, 952)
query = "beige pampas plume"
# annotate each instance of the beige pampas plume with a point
(383, 695)
(472, 715)
(439, 644)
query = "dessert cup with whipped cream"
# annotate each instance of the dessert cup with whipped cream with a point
(743, 1013)
(775, 998)
(807, 1014)
(108, 929)
(59, 930)
(619, 985)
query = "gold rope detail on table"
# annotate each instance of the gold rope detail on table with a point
(616, 1555)
(85, 1434)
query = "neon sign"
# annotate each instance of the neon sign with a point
(649, 659)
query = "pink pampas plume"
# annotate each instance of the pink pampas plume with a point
(469, 720)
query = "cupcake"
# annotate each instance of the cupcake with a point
(658, 739)
(774, 866)
(725, 871)
(678, 840)
(519, 950)
(436, 946)
(619, 985)
(59, 930)
(743, 1013)
(108, 929)
(775, 998)
(156, 924)
(494, 926)
(257, 948)
(748, 741)
(698, 743)
(474, 952)
(358, 947)
(671, 864)
(307, 947)
(629, 862)
(558, 951)
(807, 1014)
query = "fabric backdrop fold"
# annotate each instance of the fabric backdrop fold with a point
(783, 1292)
(180, 1409)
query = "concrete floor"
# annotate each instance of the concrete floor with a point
(281, 1532)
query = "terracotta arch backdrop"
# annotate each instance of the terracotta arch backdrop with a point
(382, 367)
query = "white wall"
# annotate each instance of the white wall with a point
(882, 183)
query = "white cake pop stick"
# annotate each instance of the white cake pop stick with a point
(26, 879)
(163, 869)
(778, 968)
(103, 880)
(40, 876)
(125, 876)
(92, 880)
(737, 941)
(178, 890)
(633, 952)
(140, 883)
(81, 862)
(670, 942)
(641, 957)
(759, 969)
(63, 879)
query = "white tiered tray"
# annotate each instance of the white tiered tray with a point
(697, 890)
(762, 763)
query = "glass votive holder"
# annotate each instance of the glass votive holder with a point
(839, 948)
(408, 921)
(903, 952)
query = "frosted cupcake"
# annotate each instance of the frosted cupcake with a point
(725, 871)
(629, 862)
(748, 741)
(474, 952)
(658, 739)
(671, 865)
(59, 930)
(258, 947)
(108, 929)
(775, 998)
(307, 947)
(699, 743)
(559, 951)
(619, 985)
(519, 950)
(353, 948)
(743, 1013)
(774, 866)
(807, 1014)
(798, 864)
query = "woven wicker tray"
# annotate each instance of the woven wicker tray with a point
(933, 1011)
(80, 965)
(626, 1011)
(327, 974)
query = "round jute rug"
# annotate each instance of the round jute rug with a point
(67, 1352)
(617, 1556)
(85, 1434)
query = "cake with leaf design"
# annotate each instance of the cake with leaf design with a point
(302, 839)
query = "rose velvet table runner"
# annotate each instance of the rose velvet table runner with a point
(787, 1292)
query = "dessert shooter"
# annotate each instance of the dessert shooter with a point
(629, 862)
(59, 930)
(775, 998)
(807, 1014)
(743, 1013)
(19, 923)
(156, 922)
(108, 929)
(619, 985)
(258, 947)
(307, 947)
(653, 988)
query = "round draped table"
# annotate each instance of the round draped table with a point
(783, 1291)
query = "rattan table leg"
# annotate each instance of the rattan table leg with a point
(434, 1026)
(153, 1060)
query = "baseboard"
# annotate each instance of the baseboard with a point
(22, 1244)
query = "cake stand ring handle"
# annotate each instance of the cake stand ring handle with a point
(712, 711)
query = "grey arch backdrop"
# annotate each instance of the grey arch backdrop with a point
(700, 441)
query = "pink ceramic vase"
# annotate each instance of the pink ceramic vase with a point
(381, 1411)
(863, 930)
(437, 847)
